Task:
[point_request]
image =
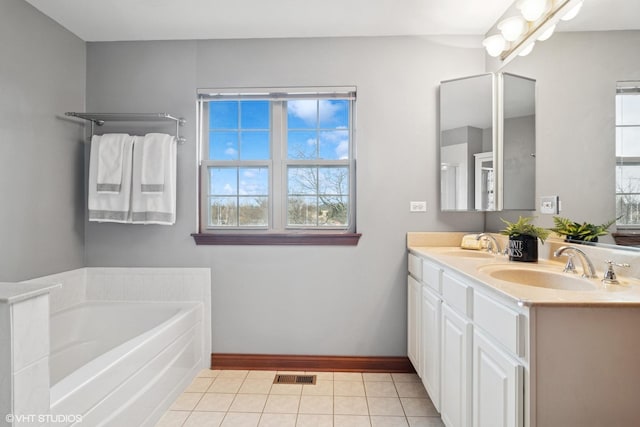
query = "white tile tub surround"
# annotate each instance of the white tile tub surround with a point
(24, 352)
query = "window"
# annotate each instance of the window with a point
(628, 154)
(277, 163)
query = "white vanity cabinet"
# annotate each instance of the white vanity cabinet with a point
(468, 347)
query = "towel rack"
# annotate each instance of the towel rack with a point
(100, 119)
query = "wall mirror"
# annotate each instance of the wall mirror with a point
(487, 143)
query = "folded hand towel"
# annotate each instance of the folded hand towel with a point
(110, 158)
(148, 207)
(156, 148)
(110, 207)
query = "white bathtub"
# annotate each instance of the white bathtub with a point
(122, 363)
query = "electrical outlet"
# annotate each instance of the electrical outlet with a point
(418, 206)
(549, 205)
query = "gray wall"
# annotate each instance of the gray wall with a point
(576, 76)
(295, 300)
(42, 75)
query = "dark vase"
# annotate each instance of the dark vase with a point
(523, 248)
(580, 239)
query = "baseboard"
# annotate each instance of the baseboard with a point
(285, 362)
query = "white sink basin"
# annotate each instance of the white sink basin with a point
(466, 253)
(541, 278)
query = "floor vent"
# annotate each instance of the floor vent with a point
(295, 379)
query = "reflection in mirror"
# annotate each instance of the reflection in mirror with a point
(466, 130)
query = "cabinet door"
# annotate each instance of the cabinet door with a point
(413, 323)
(497, 385)
(430, 351)
(455, 382)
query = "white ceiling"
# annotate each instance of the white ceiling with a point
(110, 20)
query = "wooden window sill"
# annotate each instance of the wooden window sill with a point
(309, 239)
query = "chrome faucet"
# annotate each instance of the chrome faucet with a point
(493, 246)
(588, 270)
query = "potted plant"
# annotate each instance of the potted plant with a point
(523, 239)
(585, 232)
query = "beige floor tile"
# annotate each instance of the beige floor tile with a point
(282, 404)
(261, 375)
(347, 376)
(225, 385)
(386, 421)
(351, 421)
(208, 373)
(418, 407)
(260, 386)
(316, 405)
(199, 385)
(240, 419)
(405, 378)
(411, 390)
(373, 376)
(314, 420)
(348, 388)
(186, 401)
(277, 420)
(248, 403)
(425, 422)
(218, 402)
(173, 419)
(327, 376)
(233, 373)
(381, 389)
(205, 419)
(290, 389)
(320, 388)
(350, 405)
(385, 406)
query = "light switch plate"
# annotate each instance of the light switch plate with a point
(417, 206)
(549, 205)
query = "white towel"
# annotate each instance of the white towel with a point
(111, 153)
(156, 149)
(110, 207)
(154, 208)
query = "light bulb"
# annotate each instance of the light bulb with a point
(494, 44)
(512, 28)
(572, 12)
(532, 10)
(527, 50)
(547, 33)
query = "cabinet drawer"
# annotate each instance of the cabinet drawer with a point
(415, 266)
(501, 322)
(457, 294)
(431, 276)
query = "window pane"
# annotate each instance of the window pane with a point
(223, 115)
(628, 208)
(302, 181)
(254, 181)
(223, 211)
(254, 211)
(254, 114)
(333, 211)
(334, 145)
(223, 181)
(334, 113)
(628, 109)
(334, 181)
(628, 179)
(628, 141)
(302, 145)
(254, 145)
(223, 145)
(302, 114)
(302, 211)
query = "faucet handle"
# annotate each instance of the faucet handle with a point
(610, 275)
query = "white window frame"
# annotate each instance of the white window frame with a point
(278, 163)
(625, 87)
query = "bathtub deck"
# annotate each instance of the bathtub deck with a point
(248, 398)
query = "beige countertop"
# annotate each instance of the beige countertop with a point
(471, 264)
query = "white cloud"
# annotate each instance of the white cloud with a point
(307, 110)
(231, 152)
(342, 150)
(228, 189)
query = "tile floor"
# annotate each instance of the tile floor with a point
(249, 398)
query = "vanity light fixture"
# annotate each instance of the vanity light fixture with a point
(542, 17)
